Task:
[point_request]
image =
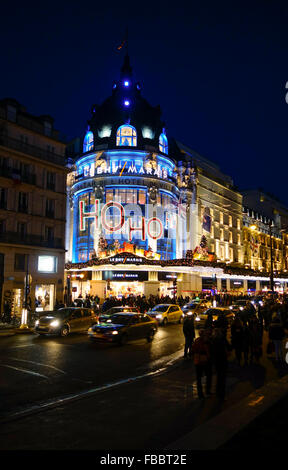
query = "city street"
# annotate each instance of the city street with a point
(63, 377)
(35, 369)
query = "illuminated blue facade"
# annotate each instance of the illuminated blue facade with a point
(126, 178)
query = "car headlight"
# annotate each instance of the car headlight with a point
(231, 308)
(115, 332)
(36, 322)
(261, 303)
(55, 323)
(241, 308)
(197, 318)
(189, 313)
(159, 316)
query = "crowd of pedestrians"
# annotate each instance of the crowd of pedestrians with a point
(212, 349)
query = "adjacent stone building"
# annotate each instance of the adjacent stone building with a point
(32, 208)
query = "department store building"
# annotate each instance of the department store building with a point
(145, 213)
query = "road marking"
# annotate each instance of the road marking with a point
(23, 346)
(24, 370)
(37, 363)
(86, 393)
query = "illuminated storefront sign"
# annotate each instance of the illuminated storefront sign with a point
(47, 264)
(126, 167)
(124, 276)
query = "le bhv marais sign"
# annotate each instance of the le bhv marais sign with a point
(128, 168)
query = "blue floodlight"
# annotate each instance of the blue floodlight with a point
(127, 103)
(126, 83)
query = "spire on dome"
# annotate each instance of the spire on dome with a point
(126, 69)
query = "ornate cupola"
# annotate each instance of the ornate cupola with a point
(126, 119)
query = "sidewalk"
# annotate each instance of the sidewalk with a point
(7, 330)
(162, 412)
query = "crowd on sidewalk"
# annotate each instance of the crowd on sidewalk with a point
(212, 350)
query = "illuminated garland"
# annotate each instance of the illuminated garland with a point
(232, 271)
(143, 261)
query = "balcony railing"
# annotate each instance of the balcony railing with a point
(29, 239)
(8, 172)
(32, 150)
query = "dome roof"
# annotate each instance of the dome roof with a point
(126, 106)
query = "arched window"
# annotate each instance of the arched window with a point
(88, 142)
(163, 143)
(126, 135)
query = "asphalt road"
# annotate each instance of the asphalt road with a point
(36, 369)
(144, 414)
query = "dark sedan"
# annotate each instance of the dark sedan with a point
(123, 327)
(123, 309)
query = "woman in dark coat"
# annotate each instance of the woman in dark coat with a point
(237, 334)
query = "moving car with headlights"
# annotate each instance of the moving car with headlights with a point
(105, 315)
(243, 305)
(65, 320)
(195, 306)
(166, 313)
(201, 318)
(123, 327)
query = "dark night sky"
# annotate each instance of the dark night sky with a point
(218, 71)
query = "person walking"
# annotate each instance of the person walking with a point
(220, 348)
(237, 334)
(255, 340)
(276, 334)
(246, 342)
(189, 333)
(202, 361)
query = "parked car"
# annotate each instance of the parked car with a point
(104, 316)
(200, 318)
(166, 313)
(195, 306)
(123, 327)
(65, 321)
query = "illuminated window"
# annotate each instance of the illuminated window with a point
(142, 197)
(109, 195)
(230, 220)
(127, 136)
(222, 255)
(88, 142)
(231, 257)
(238, 239)
(238, 224)
(163, 143)
(221, 218)
(221, 234)
(230, 237)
